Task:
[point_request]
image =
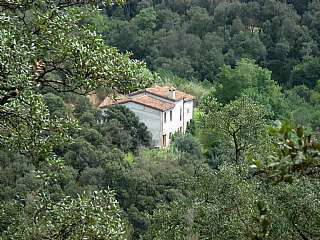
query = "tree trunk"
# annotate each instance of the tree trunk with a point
(236, 147)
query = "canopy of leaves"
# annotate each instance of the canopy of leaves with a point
(47, 44)
(139, 134)
(241, 121)
(193, 39)
(94, 216)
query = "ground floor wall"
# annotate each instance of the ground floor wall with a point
(151, 118)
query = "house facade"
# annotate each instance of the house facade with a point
(163, 110)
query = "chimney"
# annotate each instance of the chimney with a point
(172, 93)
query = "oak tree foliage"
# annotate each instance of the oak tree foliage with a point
(48, 45)
(240, 122)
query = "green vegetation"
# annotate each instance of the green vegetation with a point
(193, 39)
(248, 166)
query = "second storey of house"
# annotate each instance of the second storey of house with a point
(177, 119)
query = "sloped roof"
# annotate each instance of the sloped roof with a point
(149, 101)
(108, 101)
(152, 102)
(143, 100)
(93, 98)
(164, 92)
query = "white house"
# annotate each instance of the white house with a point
(163, 110)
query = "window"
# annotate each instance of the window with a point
(171, 115)
(187, 110)
(170, 136)
(164, 140)
(165, 117)
(180, 114)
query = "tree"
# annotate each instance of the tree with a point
(128, 124)
(220, 207)
(145, 20)
(311, 19)
(55, 104)
(211, 58)
(81, 154)
(292, 165)
(187, 144)
(200, 21)
(307, 72)
(241, 121)
(296, 153)
(246, 74)
(302, 106)
(94, 216)
(232, 202)
(247, 46)
(166, 19)
(48, 45)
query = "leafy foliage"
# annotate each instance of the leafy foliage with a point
(245, 61)
(203, 216)
(297, 153)
(139, 135)
(193, 39)
(94, 216)
(47, 45)
(240, 122)
(188, 144)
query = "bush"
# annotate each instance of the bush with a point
(188, 144)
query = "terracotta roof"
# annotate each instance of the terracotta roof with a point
(152, 102)
(144, 100)
(148, 100)
(164, 92)
(93, 98)
(108, 101)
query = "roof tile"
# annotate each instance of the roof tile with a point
(164, 92)
(148, 100)
(153, 103)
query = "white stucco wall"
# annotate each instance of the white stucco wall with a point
(188, 113)
(154, 119)
(173, 126)
(150, 117)
(169, 126)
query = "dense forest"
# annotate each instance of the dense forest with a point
(247, 167)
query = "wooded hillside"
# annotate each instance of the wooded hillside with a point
(248, 166)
